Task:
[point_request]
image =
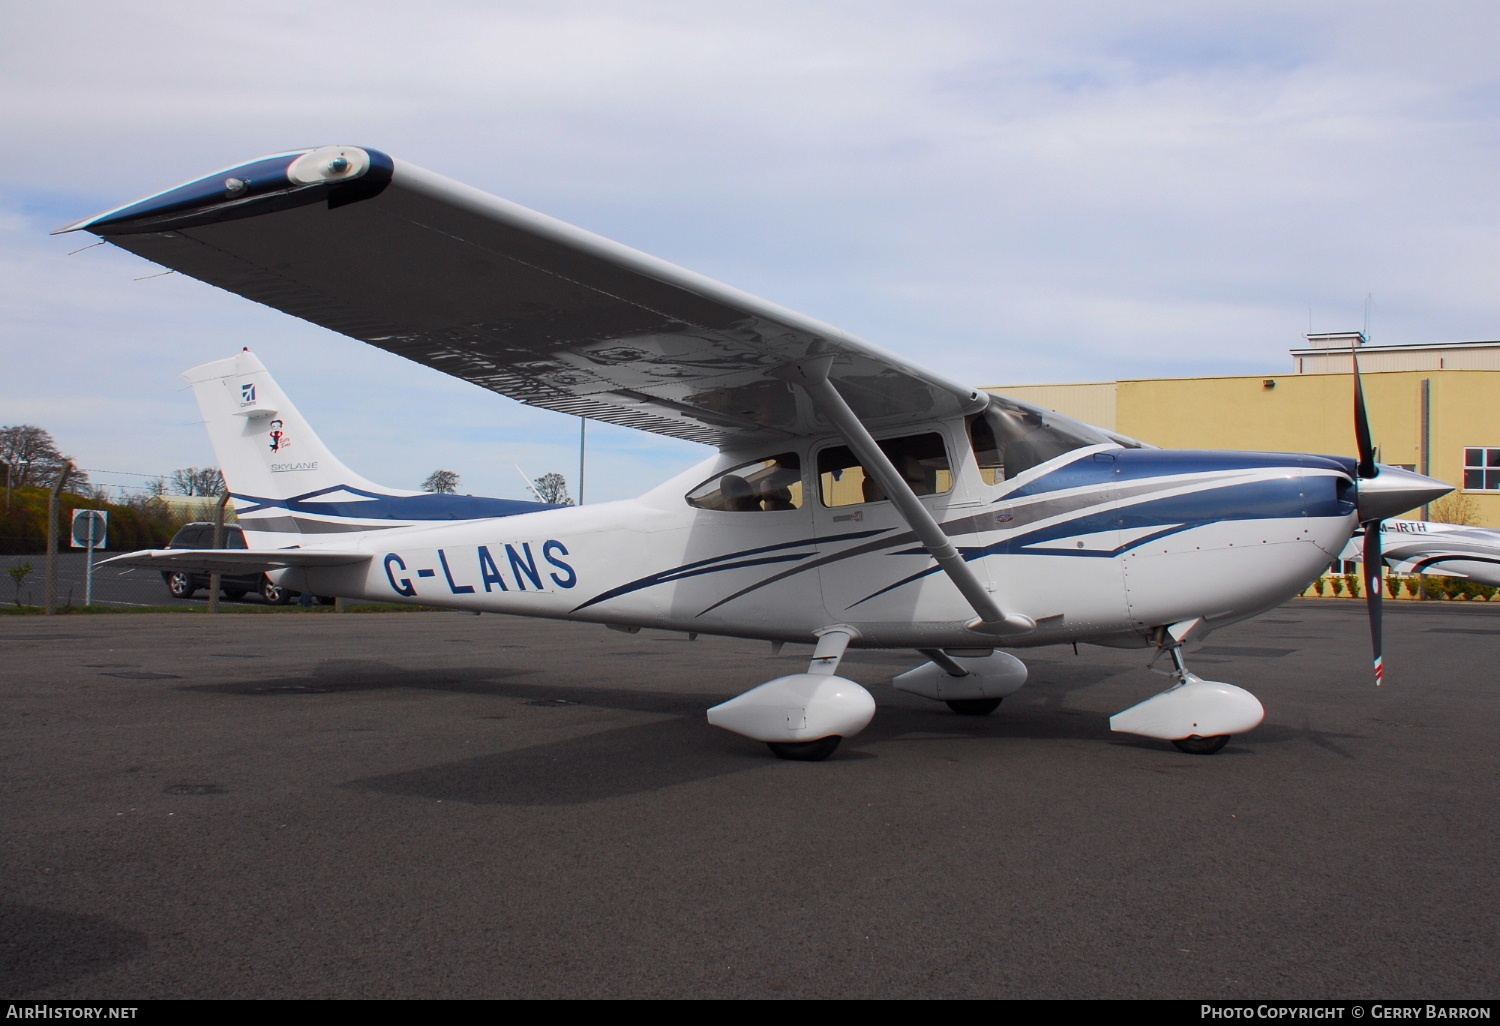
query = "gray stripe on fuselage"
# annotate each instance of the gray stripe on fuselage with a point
(298, 525)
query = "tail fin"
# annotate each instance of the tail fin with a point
(265, 447)
(284, 481)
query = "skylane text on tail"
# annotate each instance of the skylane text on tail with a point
(856, 498)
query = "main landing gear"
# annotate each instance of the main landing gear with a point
(974, 706)
(803, 717)
(971, 684)
(1201, 745)
(1196, 715)
(805, 751)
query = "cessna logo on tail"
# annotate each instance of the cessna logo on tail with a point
(247, 395)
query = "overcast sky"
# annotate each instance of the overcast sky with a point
(1006, 192)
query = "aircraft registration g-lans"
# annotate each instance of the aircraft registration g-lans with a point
(857, 499)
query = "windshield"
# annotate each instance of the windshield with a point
(1010, 437)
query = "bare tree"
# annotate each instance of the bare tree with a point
(99, 493)
(1456, 508)
(443, 482)
(198, 481)
(34, 457)
(553, 487)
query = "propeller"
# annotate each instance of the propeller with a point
(1371, 560)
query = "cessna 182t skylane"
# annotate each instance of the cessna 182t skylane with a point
(857, 499)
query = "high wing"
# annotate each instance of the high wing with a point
(232, 561)
(512, 300)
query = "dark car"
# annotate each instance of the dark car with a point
(183, 583)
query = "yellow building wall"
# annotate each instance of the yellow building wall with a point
(1305, 413)
(1092, 403)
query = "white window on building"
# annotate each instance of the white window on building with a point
(1482, 470)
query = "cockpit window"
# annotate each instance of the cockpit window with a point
(921, 459)
(1011, 437)
(765, 485)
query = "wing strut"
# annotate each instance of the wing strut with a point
(812, 376)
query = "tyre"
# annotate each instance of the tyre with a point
(1202, 745)
(275, 595)
(973, 706)
(326, 600)
(181, 585)
(805, 751)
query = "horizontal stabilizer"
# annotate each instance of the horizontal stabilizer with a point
(232, 561)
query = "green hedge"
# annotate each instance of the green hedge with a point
(23, 531)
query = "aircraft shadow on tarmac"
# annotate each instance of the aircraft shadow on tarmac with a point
(683, 748)
(44, 949)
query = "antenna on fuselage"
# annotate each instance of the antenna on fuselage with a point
(527, 482)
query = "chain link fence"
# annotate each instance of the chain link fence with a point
(112, 586)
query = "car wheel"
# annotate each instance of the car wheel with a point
(181, 585)
(274, 594)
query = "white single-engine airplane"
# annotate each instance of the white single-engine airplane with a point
(857, 499)
(1443, 550)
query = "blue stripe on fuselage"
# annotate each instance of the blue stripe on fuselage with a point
(1285, 498)
(1138, 464)
(428, 506)
(1312, 495)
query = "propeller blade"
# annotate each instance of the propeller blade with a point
(1374, 592)
(1367, 466)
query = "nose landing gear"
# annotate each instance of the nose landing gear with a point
(1196, 715)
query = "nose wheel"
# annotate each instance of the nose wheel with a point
(1198, 716)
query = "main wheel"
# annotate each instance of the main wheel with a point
(806, 751)
(973, 706)
(181, 585)
(275, 595)
(327, 600)
(1202, 745)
